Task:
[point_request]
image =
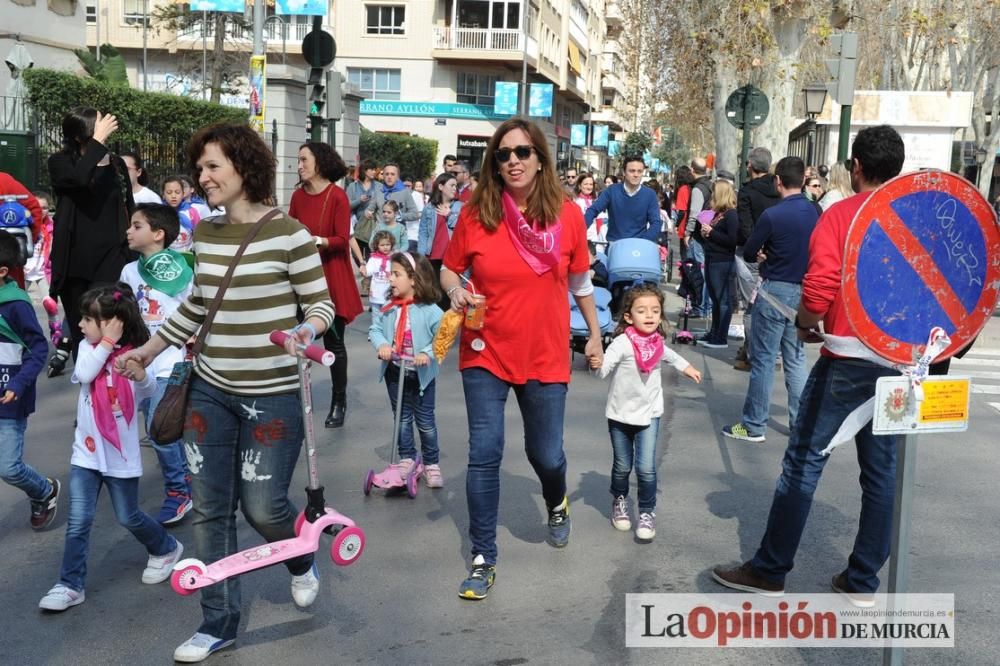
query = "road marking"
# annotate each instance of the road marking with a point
(986, 388)
(976, 361)
(994, 405)
(984, 375)
(978, 353)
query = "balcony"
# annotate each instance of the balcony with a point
(610, 79)
(613, 13)
(274, 32)
(477, 39)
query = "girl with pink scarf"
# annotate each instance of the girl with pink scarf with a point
(635, 403)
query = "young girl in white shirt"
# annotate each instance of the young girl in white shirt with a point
(635, 403)
(106, 443)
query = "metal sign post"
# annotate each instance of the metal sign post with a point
(746, 108)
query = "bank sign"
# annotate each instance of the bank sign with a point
(428, 109)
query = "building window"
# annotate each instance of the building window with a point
(386, 20)
(91, 14)
(476, 88)
(134, 11)
(375, 83)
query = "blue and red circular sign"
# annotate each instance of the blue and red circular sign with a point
(922, 251)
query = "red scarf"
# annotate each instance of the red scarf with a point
(648, 349)
(404, 311)
(108, 390)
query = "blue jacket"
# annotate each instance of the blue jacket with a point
(636, 216)
(424, 321)
(428, 225)
(783, 232)
(19, 367)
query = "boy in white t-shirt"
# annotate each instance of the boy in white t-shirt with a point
(161, 279)
(378, 268)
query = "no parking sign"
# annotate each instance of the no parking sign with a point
(922, 251)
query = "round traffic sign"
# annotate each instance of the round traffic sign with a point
(326, 52)
(747, 106)
(922, 251)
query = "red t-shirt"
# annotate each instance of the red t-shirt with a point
(526, 334)
(821, 292)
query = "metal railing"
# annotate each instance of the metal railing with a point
(273, 32)
(478, 39)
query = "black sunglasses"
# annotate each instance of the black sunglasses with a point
(522, 152)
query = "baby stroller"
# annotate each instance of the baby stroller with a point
(15, 219)
(578, 331)
(692, 282)
(631, 262)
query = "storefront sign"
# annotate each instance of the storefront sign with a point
(428, 109)
(472, 141)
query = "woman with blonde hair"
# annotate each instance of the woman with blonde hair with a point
(840, 186)
(719, 228)
(523, 244)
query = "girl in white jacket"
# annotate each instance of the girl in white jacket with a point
(635, 403)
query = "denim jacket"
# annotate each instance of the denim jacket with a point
(424, 321)
(428, 225)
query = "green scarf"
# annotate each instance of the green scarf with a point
(166, 271)
(11, 292)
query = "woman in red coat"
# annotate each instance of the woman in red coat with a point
(323, 208)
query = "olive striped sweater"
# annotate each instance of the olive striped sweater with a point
(280, 272)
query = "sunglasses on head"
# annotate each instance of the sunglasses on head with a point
(522, 152)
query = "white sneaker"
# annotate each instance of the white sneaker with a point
(159, 567)
(305, 588)
(60, 597)
(198, 647)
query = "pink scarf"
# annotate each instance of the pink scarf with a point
(107, 389)
(539, 249)
(648, 348)
(384, 259)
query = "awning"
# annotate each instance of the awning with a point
(574, 57)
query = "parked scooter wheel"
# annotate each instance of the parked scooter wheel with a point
(369, 480)
(190, 570)
(347, 546)
(411, 485)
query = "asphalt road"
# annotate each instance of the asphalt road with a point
(398, 603)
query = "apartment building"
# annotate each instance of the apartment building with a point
(424, 67)
(429, 67)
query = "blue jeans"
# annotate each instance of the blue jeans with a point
(717, 275)
(542, 409)
(696, 251)
(636, 442)
(84, 489)
(771, 333)
(241, 451)
(417, 405)
(173, 464)
(13, 469)
(835, 387)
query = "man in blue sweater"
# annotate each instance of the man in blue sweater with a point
(633, 210)
(780, 243)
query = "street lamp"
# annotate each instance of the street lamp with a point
(815, 98)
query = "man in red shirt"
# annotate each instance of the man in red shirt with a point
(836, 386)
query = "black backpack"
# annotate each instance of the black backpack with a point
(692, 280)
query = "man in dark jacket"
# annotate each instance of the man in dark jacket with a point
(757, 195)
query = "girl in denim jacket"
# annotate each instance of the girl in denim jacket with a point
(402, 333)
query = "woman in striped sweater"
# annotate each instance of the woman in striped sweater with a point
(244, 426)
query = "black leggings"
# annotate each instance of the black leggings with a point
(70, 293)
(333, 340)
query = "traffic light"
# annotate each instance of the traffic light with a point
(317, 90)
(844, 68)
(334, 110)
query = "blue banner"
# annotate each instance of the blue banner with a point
(505, 98)
(656, 164)
(302, 7)
(540, 100)
(613, 148)
(577, 135)
(377, 107)
(218, 6)
(600, 137)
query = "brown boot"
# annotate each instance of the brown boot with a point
(742, 362)
(746, 578)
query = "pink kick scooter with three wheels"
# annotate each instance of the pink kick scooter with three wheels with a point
(390, 477)
(348, 539)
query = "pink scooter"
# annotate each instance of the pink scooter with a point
(390, 477)
(348, 539)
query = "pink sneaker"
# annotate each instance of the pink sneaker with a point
(404, 466)
(432, 476)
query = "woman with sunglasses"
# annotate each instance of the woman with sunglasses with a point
(523, 244)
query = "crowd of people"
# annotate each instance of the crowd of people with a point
(139, 278)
